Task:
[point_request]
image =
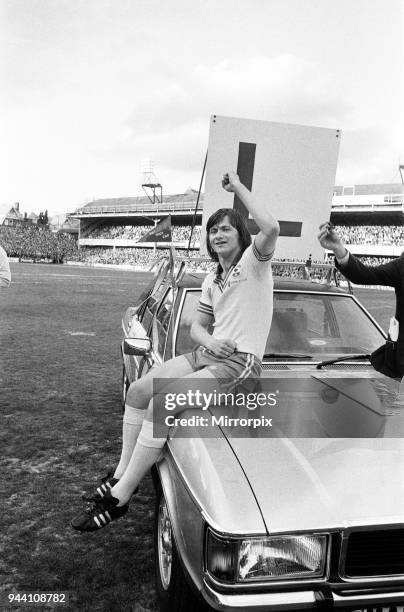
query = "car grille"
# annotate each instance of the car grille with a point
(375, 553)
(347, 366)
(274, 366)
(333, 366)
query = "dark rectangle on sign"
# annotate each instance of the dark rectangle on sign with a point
(293, 229)
(245, 171)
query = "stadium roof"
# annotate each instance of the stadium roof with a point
(186, 201)
(374, 189)
(138, 202)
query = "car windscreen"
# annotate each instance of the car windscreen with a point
(320, 325)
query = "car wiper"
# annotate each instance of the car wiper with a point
(287, 355)
(344, 358)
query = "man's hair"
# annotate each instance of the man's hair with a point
(236, 220)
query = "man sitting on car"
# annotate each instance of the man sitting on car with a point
(233, 298)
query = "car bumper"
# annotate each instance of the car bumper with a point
(302, 600)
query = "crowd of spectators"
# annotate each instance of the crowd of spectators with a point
(300, 268)
(389, 235)
(37, 242)
(129, 232)
(144, 258)
(28, 241)
(119, 256)
(367, 260)
(180, 233)
(140, 257)
(350, 234)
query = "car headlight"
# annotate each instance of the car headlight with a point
(266, 558)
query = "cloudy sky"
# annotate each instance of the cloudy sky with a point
(89, 88)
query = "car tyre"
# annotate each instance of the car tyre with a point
(174, 593)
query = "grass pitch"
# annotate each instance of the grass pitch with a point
(60, 371)
(60, 377)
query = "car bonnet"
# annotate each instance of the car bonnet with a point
(330, 481)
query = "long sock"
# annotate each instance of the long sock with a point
(132, 424)
(146, 453)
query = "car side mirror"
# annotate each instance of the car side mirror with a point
(137, 346)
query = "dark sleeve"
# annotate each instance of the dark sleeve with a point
(387, 274)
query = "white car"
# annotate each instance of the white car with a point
(308, 518)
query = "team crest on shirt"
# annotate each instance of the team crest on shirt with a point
(236, 271)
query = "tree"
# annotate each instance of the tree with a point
(43, 219)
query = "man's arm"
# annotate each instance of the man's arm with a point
(265, 240)
(354, 270)
(5, 274)
(199, 333)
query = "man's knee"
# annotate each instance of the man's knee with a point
(139, 393)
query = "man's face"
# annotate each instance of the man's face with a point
(224, 238)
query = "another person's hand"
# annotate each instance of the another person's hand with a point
(230, 181)
(329, 239)
(222, 348)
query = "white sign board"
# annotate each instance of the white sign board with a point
(289, 168)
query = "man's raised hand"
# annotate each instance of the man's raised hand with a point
(329, 239)
(230, 181)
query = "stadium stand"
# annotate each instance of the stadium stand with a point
(28, 241)
(372, 234)
(135, 232)
(370, 219)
